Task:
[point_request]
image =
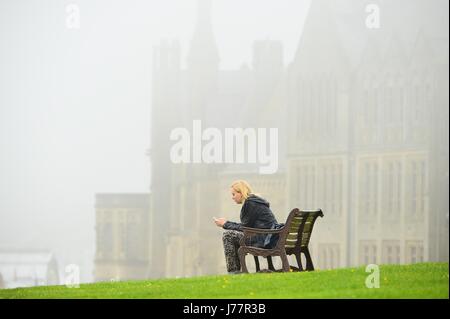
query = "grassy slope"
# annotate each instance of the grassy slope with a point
(425, 280)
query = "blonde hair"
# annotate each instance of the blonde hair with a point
(242, 187)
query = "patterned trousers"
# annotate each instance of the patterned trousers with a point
(231, 240)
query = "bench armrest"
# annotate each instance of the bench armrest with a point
(248, 230)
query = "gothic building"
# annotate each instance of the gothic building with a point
(187, 196)
(122, 228)
(363, 128)
(366, 142)
(27, 268)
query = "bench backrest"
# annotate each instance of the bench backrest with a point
(298, 228)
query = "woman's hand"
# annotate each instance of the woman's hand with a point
(220, 221)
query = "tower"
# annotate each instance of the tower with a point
(165, 103)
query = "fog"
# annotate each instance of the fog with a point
(75, 105)
(90, 92)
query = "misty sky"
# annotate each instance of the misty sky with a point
(75, 104)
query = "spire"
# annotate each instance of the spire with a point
(320, 47)
(203, 50)
(204, 12)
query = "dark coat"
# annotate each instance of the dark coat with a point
(256, 213)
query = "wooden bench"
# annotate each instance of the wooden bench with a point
(293, 239)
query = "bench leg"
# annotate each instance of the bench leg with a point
(309, 263)
(257, 263)
(284, 261)
(242, 254)
(270, 263)
(298, 257)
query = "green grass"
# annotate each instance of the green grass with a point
(425, 280)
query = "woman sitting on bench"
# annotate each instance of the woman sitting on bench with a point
(255, 213)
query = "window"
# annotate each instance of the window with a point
(132, 240)
(392, 190)
(370, 115)
(331, 109)
(325, 189)
(329, 256)
(330, 188)
(367, 252)
(416, 189)
(368, 190)
(418, 105)
(122, 239)
(306, 185)
(414, 252)
(105, 240)
(391, 252)
(305, 110)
